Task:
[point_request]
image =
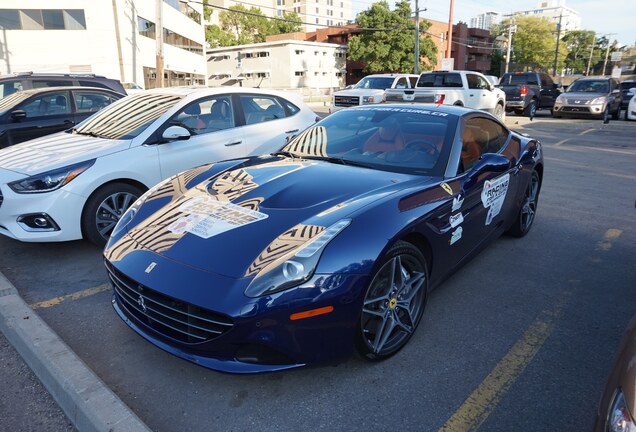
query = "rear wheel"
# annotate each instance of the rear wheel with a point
(394, 303)
(531, 109)
(528, 210)
(104, 208)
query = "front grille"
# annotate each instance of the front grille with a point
(581, 109)
(174, 318)
(346, 101)
(574, 101)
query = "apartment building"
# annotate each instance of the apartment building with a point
(554, 10)
(485, 21)
(111, 38)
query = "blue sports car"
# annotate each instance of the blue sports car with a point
(332, 243)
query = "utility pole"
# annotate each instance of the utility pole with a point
(417, 38)
(511, 29)
(589, 62)
(159, 38)
(607, 51)
(556, 53)
(449, 42)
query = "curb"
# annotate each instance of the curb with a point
(88, 403)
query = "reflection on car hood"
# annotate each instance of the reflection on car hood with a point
(583, 95)
(233, 221)
(55, 151)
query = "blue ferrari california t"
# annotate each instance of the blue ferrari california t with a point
(334, 242)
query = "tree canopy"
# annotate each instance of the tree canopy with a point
(392, 48)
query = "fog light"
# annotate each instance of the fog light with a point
(37, 222)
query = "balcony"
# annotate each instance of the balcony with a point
(478, 65)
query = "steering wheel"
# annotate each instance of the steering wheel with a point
(421, 144)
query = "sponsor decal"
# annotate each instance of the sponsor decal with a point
(207, 217)
(456, 235)
(456, 219)
(493, 196)
(447, 188)
(457, 203)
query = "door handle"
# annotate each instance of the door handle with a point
(233, 143)
(69, 122)
(292, 131)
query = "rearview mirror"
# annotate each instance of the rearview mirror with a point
(489, 162)
(176, 133)
(18, 115)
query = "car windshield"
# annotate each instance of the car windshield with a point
(406, 140)
(13, 100)
(519, 79)
(440, 80)
(128, 118)
(589, 86)
(628, 85)
(374, 83)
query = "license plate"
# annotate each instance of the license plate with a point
(408, 97)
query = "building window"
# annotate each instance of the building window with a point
(10, 19)
(147, 28)
(317, 22)
(299, 73)
(42, 19)
(183, 7)
(299, 52)
(317, 10)
(53, 19)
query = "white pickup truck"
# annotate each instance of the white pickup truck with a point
(370, 90)
(465, 88)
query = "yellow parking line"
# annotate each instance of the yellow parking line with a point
(609, 237)
(474, 411)
(75, 296)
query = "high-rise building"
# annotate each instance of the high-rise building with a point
(485, 21)
(553, 10)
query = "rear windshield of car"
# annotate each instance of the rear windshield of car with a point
(405, 140)
(440, 80)
(518, 79)
(374, 83)
(128, 118)
(628, 85)
(589, 86)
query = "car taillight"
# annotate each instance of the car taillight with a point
(439, 98)
(524, 91)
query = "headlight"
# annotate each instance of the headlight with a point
(368, 99)
(619, 419)
(298, 267)
(598, 101)
(50, 180)
(560, 99)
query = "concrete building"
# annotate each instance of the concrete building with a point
(111, 38)
(553, 10)
(485, 21)
(312, 67)
(315, 14)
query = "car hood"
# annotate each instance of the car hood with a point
(584, 96)
(56, 151)
(359, 92)
(247, 215)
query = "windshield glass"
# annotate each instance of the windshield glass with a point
(128, 118)
(440, 80)
(407, 140)
(589, 86)
(11, 101)
(374, 83)
(628, 85)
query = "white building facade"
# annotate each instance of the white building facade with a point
(315, 14)
(485, 21)
(286, 64)
(554, 10)
(111, 38)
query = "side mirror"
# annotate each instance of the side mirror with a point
(18, 115)
(176, 133)
(616, 91)
(489, 162)
(556, 86)
(491, 87)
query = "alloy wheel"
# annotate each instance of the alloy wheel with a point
(529, 207)
(110, 210)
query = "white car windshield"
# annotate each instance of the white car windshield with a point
(374, 83)
(129, 118)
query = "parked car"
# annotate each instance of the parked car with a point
(630, 111)
(628, 88)
(618, 404)
(34, 113)
(462, 88)
(77, 184)
(590, 97)
(492, 79)
(370, 90)
(526, 92)
(132, 88)
(12, 83)
(268, 263)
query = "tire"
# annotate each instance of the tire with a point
(518, 112)
(531, 109)
(499, 111)
(626, 117)
(104, 208)
(617, 114)
(606, 115)
(393, 306)
(527, 212)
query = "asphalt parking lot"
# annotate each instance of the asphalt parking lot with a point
(521, 338)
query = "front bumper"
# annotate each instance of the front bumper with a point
(62, 206)
(262, 337)
(580, 110)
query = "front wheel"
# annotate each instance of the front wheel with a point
(528, 210)
(499, 111)
(394, 303)
(617, 114)
(104, 208)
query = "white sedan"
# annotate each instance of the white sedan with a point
(77, 184)
(630, 112)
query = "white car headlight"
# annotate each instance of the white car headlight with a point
(298, 267)
(560, 99)
(620, 419)
(598, 101)
(50, 180)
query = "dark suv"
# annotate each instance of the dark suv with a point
(10, 84)
(526, 92)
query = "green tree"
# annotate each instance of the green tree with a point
(207, 10)
(578, 44)
(246, 25)
(390, 49)
(279, 27)
(533, 44)
(217, 37)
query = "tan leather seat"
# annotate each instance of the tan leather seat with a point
(470, 149)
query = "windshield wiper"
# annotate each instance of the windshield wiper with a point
(340, 161)
(286, 153)
(91, 134)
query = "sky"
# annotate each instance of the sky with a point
(602, 16)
